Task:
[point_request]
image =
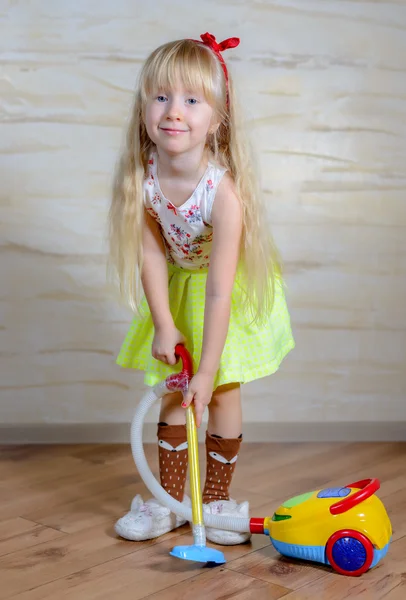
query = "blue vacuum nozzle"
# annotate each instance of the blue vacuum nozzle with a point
(201, 554)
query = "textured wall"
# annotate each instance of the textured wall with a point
(324, 86)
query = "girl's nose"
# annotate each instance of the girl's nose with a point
(174, 110)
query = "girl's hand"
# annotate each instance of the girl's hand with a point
(200, 392)
(163, 345)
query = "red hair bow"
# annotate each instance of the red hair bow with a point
(209, 40)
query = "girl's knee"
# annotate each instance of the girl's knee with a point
(171, 410)
(228, 393)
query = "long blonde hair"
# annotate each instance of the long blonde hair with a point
(197, 67)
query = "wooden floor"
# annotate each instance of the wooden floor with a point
(58, 505)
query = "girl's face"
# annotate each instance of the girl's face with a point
(178, 120)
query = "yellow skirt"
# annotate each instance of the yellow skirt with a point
(250, 351)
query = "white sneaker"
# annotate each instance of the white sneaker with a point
(227, 508)
(148, 520)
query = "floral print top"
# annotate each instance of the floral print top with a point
(186, 230)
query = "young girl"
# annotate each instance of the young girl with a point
(188, 228)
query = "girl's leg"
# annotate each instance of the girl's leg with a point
(223, 440)
(172, 446)
(149, 520)
(225, 413)
(171, 411)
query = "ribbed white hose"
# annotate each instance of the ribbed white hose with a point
(217, 521)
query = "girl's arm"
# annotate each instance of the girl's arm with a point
(227, 229)
(155, 283)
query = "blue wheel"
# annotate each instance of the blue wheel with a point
(349, 552)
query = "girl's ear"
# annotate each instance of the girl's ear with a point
(215, 122)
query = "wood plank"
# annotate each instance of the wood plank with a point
(84, 511)
(17, 534)
(221, 583)
(33, 491)
(310, 470)
(103, 573)
(268, 565)
(77, 492)
(68, 555)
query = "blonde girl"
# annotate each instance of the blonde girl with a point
(195, 260)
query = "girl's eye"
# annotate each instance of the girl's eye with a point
(191, 101)
(161, 98)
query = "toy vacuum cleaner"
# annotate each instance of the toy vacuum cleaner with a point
(346, 527)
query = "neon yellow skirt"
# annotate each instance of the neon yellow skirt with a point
(250, 351)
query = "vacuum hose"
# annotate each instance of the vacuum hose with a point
(216, 521)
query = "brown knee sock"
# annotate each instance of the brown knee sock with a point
(221, 456)
(173, 458)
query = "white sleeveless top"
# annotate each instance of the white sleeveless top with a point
(186, 230)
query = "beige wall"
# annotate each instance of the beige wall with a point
(324, 86)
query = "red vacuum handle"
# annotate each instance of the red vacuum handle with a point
(187, 363)
(367, 488)
(179, 382)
